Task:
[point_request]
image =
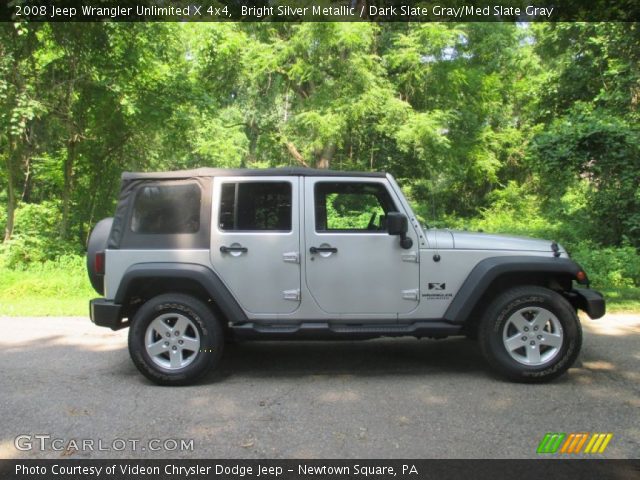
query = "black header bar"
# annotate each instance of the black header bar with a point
(321, 10)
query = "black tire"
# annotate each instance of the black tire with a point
(209, 330)
(492, 328)
(471, 332)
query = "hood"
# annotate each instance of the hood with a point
(486, 241)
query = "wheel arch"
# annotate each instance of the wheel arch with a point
(494, 275)
(146, 280)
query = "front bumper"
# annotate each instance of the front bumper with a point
(591, 301)
(106, 313)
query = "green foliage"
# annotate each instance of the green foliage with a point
(622, 299)
(221, 145)
(529, 129)
(36, 237)
(514, 210)
(603, 150)
(52, 288)
(610, 267)
(349, 211)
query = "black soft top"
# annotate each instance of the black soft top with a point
(121, 237)
(242, 172)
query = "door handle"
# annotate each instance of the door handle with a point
(323, 249)
(224, 249)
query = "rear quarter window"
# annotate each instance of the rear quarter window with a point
(167, 209)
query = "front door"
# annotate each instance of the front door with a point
(255, 241)
(353, 266)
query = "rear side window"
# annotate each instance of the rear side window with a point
(167, 209)
(255, 206)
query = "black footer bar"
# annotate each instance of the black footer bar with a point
(320, 469)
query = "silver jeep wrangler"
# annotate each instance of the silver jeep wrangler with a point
(193, 258)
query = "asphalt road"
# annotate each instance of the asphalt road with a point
(388, 398)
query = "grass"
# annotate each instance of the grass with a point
(62, 289)
(51, 289)
(622, 299)
(44, 307)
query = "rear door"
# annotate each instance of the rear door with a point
(255, 241)
(354, 268)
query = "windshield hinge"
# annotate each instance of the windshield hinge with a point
(411, 257)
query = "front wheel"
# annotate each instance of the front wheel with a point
(174, 339)
(530, 334)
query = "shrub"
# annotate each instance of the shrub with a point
(36, 236)
(514, 210)
(609, 267)
(593, 146)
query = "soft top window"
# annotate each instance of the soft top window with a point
(167, 209)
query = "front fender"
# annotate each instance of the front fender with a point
(489, 270)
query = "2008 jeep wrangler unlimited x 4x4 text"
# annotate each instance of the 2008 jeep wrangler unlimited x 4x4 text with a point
(193, 257)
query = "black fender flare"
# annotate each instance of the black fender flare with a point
(201, 274)
(490, 269)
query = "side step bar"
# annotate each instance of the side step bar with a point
(327, 331)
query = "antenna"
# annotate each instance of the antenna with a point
(436, 256)
(433, 206)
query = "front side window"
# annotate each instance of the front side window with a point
(167, 209)
(255, 206)
(351, 207)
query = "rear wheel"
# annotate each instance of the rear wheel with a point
(175, 339)
(530, 334)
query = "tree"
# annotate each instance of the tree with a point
(19, 107)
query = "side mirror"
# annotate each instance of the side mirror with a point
(397, 224)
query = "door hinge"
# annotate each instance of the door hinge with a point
(409, 257)
(291, 257)
(410, 294)
(291, 295)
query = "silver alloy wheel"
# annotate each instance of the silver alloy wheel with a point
(172, 341)
(533, 336)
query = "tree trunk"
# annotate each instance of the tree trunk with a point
(68, 186)
(28, 179)
(296, 154)
(326, 156)
(252, 132)
(11, 192)
(27, 157)
(27, 186)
